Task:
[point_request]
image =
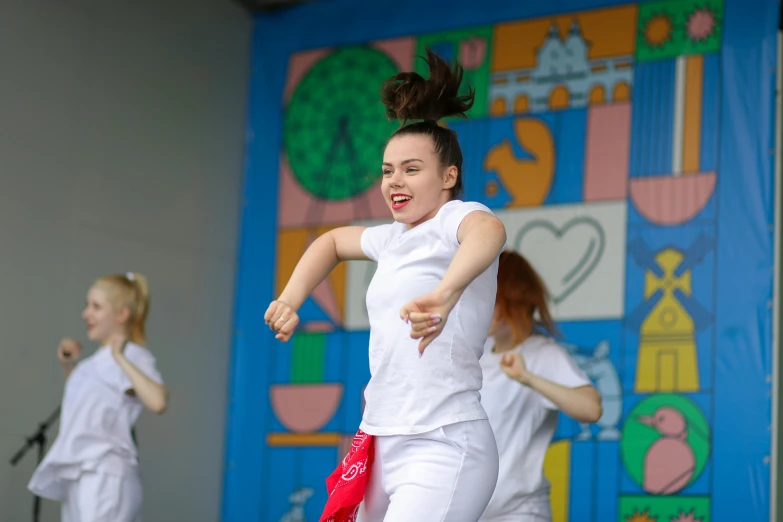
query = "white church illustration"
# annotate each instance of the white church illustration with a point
(563, 77)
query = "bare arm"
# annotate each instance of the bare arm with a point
(340, 244)
(481, 236)
(320, 258)
(582, 404)
(67, 368)
(152, 394)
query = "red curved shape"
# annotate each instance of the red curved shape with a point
(305, 408)
(671, 200)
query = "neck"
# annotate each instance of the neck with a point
(504, 339)
(108, 340)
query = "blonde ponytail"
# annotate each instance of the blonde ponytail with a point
(139, 310)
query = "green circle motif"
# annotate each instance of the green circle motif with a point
(335, 124)
(637, 437)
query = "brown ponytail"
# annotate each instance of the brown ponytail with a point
(409, 97)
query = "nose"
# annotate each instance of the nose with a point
(396, 179)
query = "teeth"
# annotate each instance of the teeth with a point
(397, 199)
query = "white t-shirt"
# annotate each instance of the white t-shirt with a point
(524, 423)
(96, 418)
(408, 394)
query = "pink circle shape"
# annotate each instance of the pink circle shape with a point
(305, 408)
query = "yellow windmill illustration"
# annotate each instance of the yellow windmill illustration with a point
(668, 318)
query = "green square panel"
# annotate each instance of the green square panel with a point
(679, 27)
(472, 48)
(676, 508)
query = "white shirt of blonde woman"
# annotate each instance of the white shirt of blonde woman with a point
(95, 422)
(524, 423)
(408, 394)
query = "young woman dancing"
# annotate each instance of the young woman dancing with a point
(430, 306)
(528, 378)
(92, 467)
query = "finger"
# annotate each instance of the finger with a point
(424, 332)
(422, 325)
(407, 310)
(270, 311)
(289, 326)
(279, 318)
(283, 337)
(285, 320)
(274, 315)
(426, 327)
(425, 342)
(281, 310)
(431, 337)
(424, 317)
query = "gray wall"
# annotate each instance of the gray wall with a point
(121, 148)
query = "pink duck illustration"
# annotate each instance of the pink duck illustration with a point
(669, 463)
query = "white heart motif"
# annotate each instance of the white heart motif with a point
(564, 257)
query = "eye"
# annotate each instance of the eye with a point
(387, 172)
(411, 169)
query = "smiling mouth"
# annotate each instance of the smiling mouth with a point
(398, 201)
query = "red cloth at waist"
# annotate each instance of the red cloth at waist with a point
(347, 483)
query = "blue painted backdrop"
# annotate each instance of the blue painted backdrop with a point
(629, 144)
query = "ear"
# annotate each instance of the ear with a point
(124, 315)
(450, 177)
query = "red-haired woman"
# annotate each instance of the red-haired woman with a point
(528, 378)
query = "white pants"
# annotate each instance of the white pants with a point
(522, 517)
(98, 497)
(534, 510)
(445, 475)
(525, 517)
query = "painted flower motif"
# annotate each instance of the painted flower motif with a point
(644, 516)
(687, 517)
(472, 52)
(701, 25)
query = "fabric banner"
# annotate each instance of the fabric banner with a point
(627, 147)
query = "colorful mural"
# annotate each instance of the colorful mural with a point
(597, 138)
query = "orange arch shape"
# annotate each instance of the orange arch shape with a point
(498, 106)
(597, 95)
(622, 92)
(522, 103)
(559, 98)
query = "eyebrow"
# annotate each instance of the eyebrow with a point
(411, 160)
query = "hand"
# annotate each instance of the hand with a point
(118, 343)
(68, 351)
(513, 365)
(282, 319)
(427, 316)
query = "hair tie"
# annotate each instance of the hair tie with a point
(130, 276)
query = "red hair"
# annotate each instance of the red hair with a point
(522, 293)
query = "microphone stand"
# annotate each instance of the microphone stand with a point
(37, 439)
